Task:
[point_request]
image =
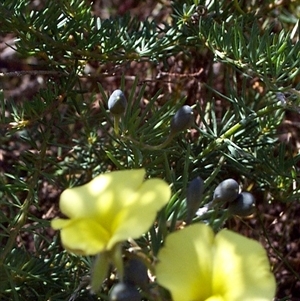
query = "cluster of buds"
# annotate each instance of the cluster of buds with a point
(239, 203)
(227, 193)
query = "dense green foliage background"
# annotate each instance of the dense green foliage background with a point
(236, 63)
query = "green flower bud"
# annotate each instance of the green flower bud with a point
(226, 191)
(182, 120)
(243, 205)
(193, 197)
(124, 292)
(117, 102)
(136, 273)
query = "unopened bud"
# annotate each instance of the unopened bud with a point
(182, 120)
(117, 102)
(243, 205)
(136, 273)
(226, 191)
(193, 197)
(124, 292)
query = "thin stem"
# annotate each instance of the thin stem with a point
(116, 125)
(236, 127)
(238, 8)
(150, 147)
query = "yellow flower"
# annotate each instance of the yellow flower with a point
(196, 265)
(109, 209)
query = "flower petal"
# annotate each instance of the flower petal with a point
(83, 236)
(241, 269)
(195, 265)
(103, 195)
(185, 263)
(135, 219)
(215, 298)
(59, 223)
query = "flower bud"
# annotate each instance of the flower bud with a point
(182, 119)
(136, 273)
(193, 197)
(226, 191)
(117, 102)
(243, 205)
(124, 292)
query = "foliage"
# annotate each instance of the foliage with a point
(237, 65)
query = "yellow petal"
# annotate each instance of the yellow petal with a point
(113, 206)
(215, 298)
(136, 218)
(59, 223)
(83, 236)
(185, 263)
(103, 195)
(241, 269)
(195, 265)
